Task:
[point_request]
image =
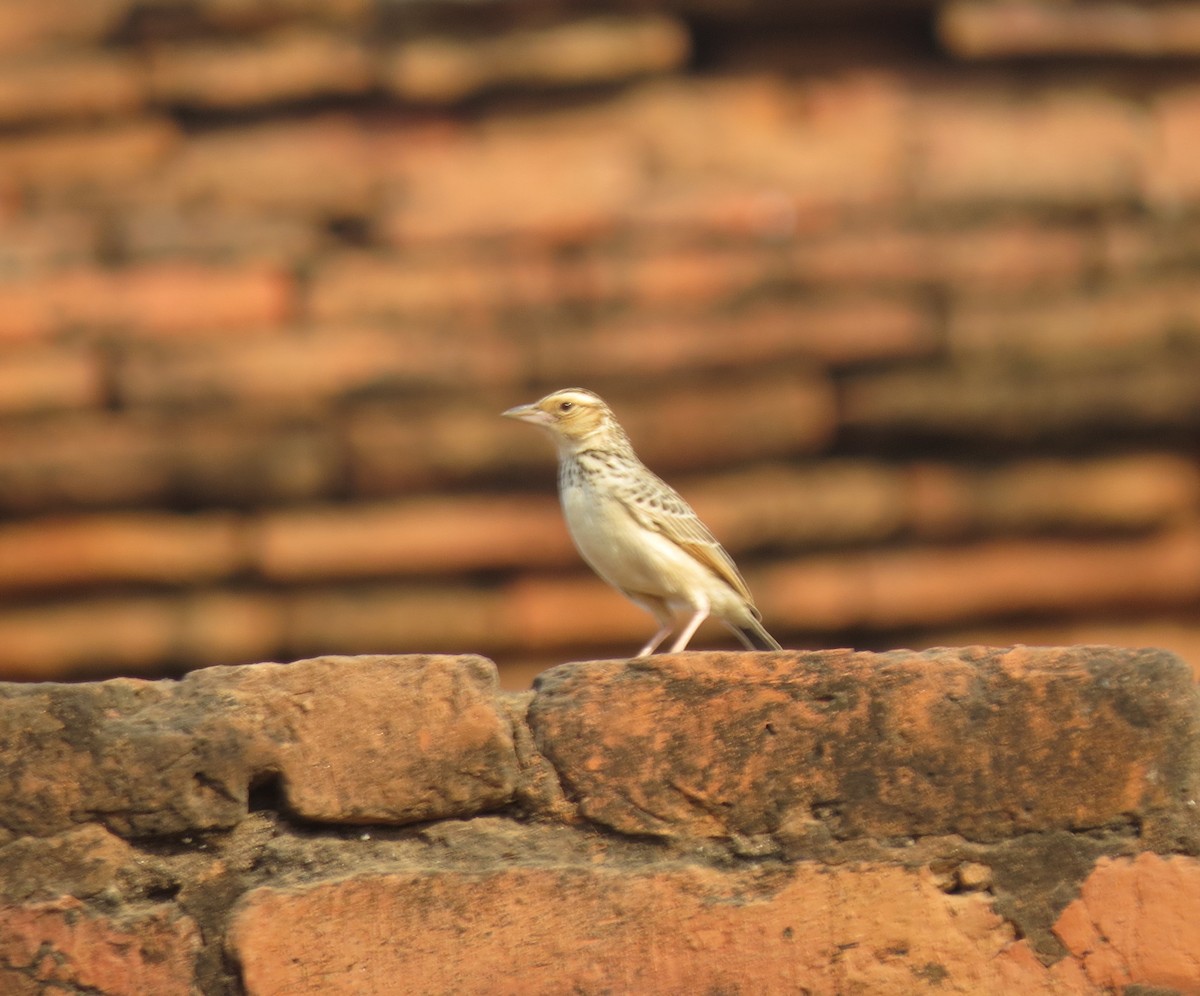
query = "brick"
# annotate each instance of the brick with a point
(986, 401)
(62, 945)
(1032, 739)
(31, 243)
(687, 427)
(169, 757)
(1135, 923)
(24, 26)
(139, 547)
(1042, 147)
(850, 928)
(153, 230)
(586, 51)
(1115, 325)
(480, 186)
(353, 286)
(988, 30)
(893, 589)
(380, 617)
(284, 66)
(441, 535)
(311, 370)
(152, 298)
(101, 156)
(45, 379)
(1172, 177)
(98, 460)
(1136, 250)
(1001, 257)
(834, 332)
(820, 142)
(69, 86)
(315, 166)
(250, 14)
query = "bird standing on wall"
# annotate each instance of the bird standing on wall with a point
(634, 530)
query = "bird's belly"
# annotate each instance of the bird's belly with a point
(624, 553)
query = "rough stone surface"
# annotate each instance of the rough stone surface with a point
(62, 947)
(367, 739)
(805, 747)
(808, 928)
(1137, 921)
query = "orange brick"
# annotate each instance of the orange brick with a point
(318, 165)
(61, 944)
(847, 928)
(418, 536)
(551, 179)
(97, 460)
(1049, 146)
(132, 547)
(26, 26)
(291, 65)
(834, 332)
(1117, 323)
(1172, 172)
(591, 50)
(36, 379)
(162, 298)
(998, 30)
(1135, 923)
(311, 370)
(925, 587)
(99, 156)
(74, 85)
(356, 285)
(1007, 257)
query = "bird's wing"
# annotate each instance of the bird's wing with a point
(659, 507)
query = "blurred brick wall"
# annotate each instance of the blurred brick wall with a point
(904, 298)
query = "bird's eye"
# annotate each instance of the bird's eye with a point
(566, 406)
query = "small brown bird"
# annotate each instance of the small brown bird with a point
(634, 530)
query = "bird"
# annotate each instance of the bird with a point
(636, 531)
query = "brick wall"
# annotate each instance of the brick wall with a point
(973, 821)
(903, 299)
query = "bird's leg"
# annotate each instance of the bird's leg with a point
(657, 639)
(691, 626)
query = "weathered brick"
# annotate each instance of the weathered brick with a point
(834, 332)
(1137, 923)
(922, 586)
(154, 298)
(1002, 257)
(989, 30)
(311, 370)
(682, 428)
(1112, 326)
(156, 229)
(443, 535)
(138, 546)
(594, 50)
(288, 65)
(312, 166)
(96, 460)
(69, 86)
(404, 739)
(36, 241)
(101, 156)
(61, 945)
(41, 379)
(1009, 402)
(1172, 176)
(1049, 146)
(866, 927)
(1030, 739)
(25, 26)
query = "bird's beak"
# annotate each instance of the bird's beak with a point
(528, 413)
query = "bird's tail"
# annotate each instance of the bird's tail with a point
(754, 636)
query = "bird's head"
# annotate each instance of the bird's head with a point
(575, 418)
